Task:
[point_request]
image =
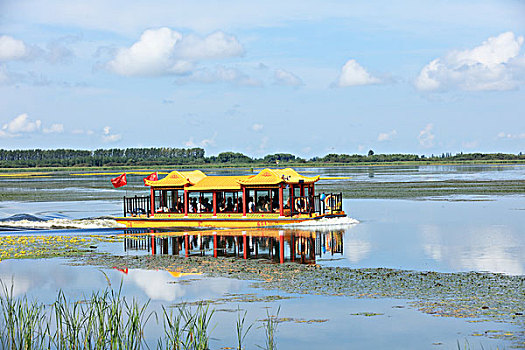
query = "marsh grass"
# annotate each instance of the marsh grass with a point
(270, 328)
(107, 320)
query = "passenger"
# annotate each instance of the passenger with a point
(208, 206)
(238, 206)
(222, 206)
(229, 205)
(266, 206)
(193, 205)
(251, 205)
(179, 207)
(287, 205)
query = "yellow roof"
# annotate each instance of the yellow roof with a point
(277, 176)
(224, 183)
(178, 179)
(196, 180)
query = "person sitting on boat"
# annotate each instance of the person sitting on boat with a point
(208, 207)
(179, 207)
(222, 205)
(251, 205)
(229, 205)
(193, 205)
(266, 204)
(238, 206)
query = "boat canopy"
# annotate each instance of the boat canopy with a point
(178, 179)
(277, 176)
(218, 183)
(198, 181)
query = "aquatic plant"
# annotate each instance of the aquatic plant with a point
(270, 327)
(241, 333)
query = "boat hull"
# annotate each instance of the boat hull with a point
(219, 221)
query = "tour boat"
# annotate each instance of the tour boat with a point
(272, 197)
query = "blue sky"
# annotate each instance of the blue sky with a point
(304, 77)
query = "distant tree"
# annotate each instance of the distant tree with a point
(370, 153)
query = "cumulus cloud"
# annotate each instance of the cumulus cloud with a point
(215, 46)
(386, 136)
(20, 125)
(151, 55)
(426, 137)
(496, 64)
(353, 74)
(165, 51)
(282, 77)
(257, 127)
(108, 136)
(12, 49)
(54, 129)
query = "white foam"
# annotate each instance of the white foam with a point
(63, 223)
(328, 223)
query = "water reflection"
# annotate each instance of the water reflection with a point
(304, 247)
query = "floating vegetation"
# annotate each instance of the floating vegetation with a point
(367, 314)
(40, 246)
(471, 295)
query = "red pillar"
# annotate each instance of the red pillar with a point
(244, 201)
(152, 195)
(186, 244)
(214, 203)
(281, 200)
(292, 247)
(244, 241)
(186, 204)
(153, 245)
(281, 246)
(291, 200)
(214, 244)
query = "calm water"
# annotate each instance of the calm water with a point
(439, 233)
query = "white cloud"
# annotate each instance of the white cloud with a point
(151, 55)
(386, 136)
(257, 127)
(221, 74)
(19, 125)
(165, 51)
(494, 65)
(282, 77)
(215, 46)
(107, 136)
(353, 74)
(12, 49)
(203, 143)
(54, 129)
(503, 135)
(426, 137)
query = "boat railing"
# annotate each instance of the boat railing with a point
(135, 206)
(332, 202)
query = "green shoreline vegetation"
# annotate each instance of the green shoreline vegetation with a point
(133, 158)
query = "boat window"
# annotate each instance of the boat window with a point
(261, 201)
(229, 202)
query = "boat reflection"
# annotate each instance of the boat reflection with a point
(279, 246)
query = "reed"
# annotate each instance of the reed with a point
(270, 327)
(241, 333)
(107, 320)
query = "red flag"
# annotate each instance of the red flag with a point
(151, 177)
(119, 181)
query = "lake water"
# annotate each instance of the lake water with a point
(475, 223)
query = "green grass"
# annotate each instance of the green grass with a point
(108, 320)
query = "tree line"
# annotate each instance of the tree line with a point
(189, 156)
